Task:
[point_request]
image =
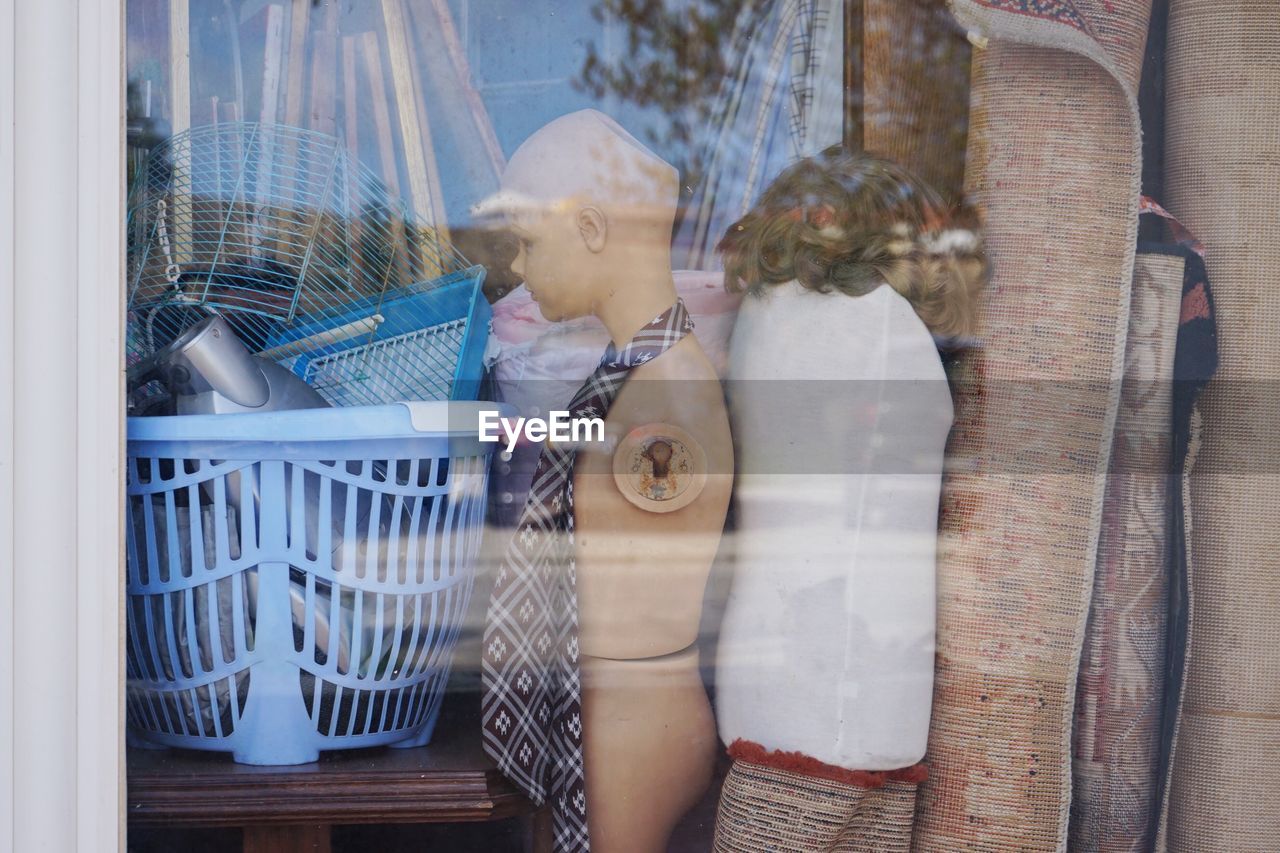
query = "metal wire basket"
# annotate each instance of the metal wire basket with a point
(301, 248)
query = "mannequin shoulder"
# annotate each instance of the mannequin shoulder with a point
(911, 349)
(684, 361)
(679, 387)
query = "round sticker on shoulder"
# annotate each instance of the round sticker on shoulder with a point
(659, 468)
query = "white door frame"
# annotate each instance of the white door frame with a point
(61, 425)
(6, 423)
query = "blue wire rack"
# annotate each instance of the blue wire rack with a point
(309, 256)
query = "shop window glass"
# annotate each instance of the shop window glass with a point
(927, 323)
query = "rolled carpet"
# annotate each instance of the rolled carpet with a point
(1054, 166)
(773, 802)
(1222, 149)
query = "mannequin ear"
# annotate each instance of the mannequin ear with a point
(593, 227)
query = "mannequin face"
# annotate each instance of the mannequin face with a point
(557, 254)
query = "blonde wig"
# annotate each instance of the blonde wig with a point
(851, 222)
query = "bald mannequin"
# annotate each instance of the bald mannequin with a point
(593, 210)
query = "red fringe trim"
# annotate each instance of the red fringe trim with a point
(798, 762)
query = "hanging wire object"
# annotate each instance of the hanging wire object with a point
(312, 260)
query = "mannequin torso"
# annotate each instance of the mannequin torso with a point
(641, 574)
(827, 642)
(649, 733)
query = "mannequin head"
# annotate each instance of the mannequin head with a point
(592, 208)
(561, 259)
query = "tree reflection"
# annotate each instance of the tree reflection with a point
(915, 77)
(675, 60)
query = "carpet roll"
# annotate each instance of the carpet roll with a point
(1222, 150)
(1054, 166)
(767, 810)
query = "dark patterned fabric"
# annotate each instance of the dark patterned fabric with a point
(532, 701)
(1063, 11)
(1120, 688)
(1195, 361)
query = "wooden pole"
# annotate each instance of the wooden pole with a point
(299, 27)
(231, 113)
(272, 71)
(237, 59)
(179, 65)
(351, 116)
(272, 58)
(381, 111)
(295, 64)
(462, 70)
(324, 73)
(854, 75)
(368, 47)
(217, 149)
(415, 129)
(350, 104)
(180, 121)
(431, 252)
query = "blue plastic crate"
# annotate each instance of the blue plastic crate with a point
(297, 580)
(421, 343)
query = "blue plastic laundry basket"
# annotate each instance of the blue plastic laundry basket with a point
(297, 580)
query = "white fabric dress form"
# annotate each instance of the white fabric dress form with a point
(827, 642)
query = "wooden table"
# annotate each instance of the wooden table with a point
(291, 809)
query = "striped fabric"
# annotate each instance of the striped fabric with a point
(783, 101)
(766, 809)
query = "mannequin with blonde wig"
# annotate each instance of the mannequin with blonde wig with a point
(854, 272)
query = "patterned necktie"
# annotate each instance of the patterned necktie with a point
(532, 699)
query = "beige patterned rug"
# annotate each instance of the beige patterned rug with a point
(1054, 164)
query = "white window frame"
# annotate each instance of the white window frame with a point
(61, 425)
